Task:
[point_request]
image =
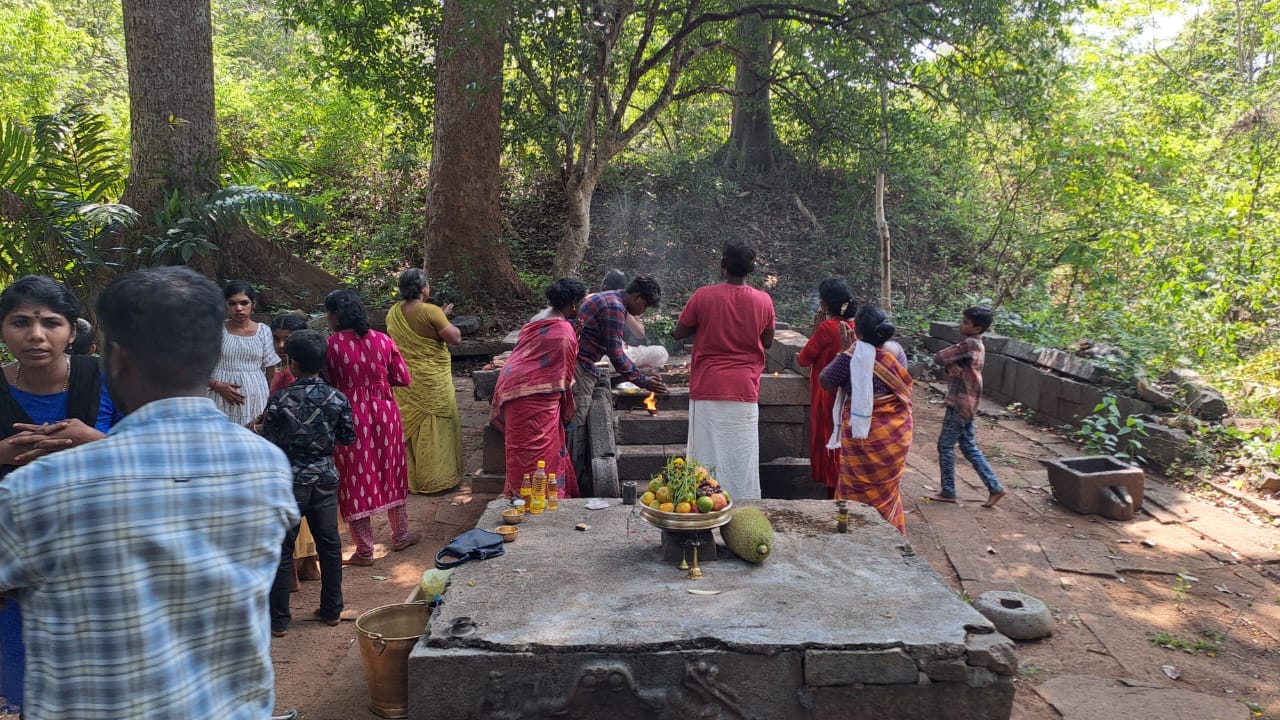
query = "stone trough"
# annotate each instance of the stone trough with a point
(596, 624)
(1099, 484)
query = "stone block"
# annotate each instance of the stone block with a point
(509, 340)
(1050, 393)
(933, 700)
(993, 652)
(466, 324)
(641, 462)
(933, 344)
(1202, 400)
(604, 478)
(1026, 387)
(995, 343)
(1079, 483)
(788, 478)
(785, 388)
(1131, 406)
(478, 347)
(487, 484)
(824, 668)
(1164, 445)
(600, 428)
(1016, 615)
(1068, 364)
(1019, 350)
(781, 356)
(949, 331)
(798, 414)
(493, 445)
(952, 670)
(993, 373)
(782, 440)
(483, 383)
(669, 427)
(1148, 392)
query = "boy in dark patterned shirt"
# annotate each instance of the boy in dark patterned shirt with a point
(306, 419)
(963, 363)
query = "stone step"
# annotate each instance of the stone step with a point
(488, 484)
(641, 462)
(787, 478)
(668, 427)
(676, 399)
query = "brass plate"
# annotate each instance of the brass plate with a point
(686, 521)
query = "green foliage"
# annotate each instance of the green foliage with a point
(1105, 432)
(191, 228)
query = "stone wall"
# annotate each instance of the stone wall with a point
(1059, 388)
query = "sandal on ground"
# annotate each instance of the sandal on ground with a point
(409, 541)
(997, 497)
(939, 497)
(330, 621)
(359, 561)
(278, 633)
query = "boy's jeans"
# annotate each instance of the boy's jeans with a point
(956, 430)
(319, 505)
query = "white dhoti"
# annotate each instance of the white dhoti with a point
(724, 436)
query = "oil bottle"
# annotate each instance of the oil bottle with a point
(538, 502)
(526, 489)
(553, 492)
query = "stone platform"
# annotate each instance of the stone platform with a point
(594, 624)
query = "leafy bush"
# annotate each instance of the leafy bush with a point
(1105, 432)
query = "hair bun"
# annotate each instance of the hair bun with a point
(885, 330)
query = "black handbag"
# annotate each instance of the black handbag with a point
(474, 544)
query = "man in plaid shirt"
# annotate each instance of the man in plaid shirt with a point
(600, 325)
(963, 363)
(143, 560)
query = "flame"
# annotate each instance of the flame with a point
(651, 403)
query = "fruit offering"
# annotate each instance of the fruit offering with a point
(685, 487)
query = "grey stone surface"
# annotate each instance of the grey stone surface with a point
(1147, 392)
(668, 427)
(509, 340)
(483, 383)
(781, 356)
(479, 347)
(782, 440)
(993, 373)
(844, 667)
(949, 331)
(676, 399)
(1164, 445)
(1016, 615)
(1065, 362)
(1078, 482)
(1082, 697)
(494, 452)
(995, 343)
(992, 651)
(1020, 350)
(1202, 400)
(600, 427)
(641, 462)
(932, 344)
(784, 413)
(788, 478)
(564, 616)
(486, 483)
(466, 324)
(1133, 406)
(604, 477)
(785, 388)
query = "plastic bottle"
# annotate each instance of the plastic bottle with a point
(538, 502)
(842, 516)
(553, 492)
(526, 489)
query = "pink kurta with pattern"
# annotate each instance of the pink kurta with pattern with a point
(373, 474)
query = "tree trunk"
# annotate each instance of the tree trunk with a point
(173, 140)
(752, 140)
(577, 232)
(464, 214)
(882, 225)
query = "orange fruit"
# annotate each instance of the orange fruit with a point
(684, 507)
(647, 498)
(663, 494)
(667, 507)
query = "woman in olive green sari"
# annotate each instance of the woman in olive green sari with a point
(432, 428)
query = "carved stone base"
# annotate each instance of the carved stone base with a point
(673, 548)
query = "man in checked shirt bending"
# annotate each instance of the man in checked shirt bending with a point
(143, 560)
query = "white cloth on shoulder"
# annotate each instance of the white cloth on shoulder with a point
(647, 356)
(862, 368)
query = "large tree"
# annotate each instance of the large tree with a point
(173, 139)
(464, 219)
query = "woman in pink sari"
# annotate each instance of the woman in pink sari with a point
(373, 472)
(534, 396)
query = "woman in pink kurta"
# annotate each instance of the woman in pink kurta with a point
(373, 473)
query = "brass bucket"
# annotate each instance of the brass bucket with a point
(387, 634)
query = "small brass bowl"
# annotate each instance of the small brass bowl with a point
(513, 516)
(508, 532)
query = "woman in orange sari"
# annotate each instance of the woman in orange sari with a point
(873, 400)
(837, 309)
(533, 399)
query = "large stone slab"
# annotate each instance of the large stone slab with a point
(668, 427)
(789, 478)
(641, 462)
(596, 625)
(1080, 697)
(784, 388)
(948, 331)
(781, 356)
(1068, 364)
(782, 440)
(676, 399)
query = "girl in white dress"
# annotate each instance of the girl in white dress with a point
(243, 375)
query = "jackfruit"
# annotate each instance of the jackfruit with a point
(748, 534)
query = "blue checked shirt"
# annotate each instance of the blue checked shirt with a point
(142, 563)
(601, 321)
